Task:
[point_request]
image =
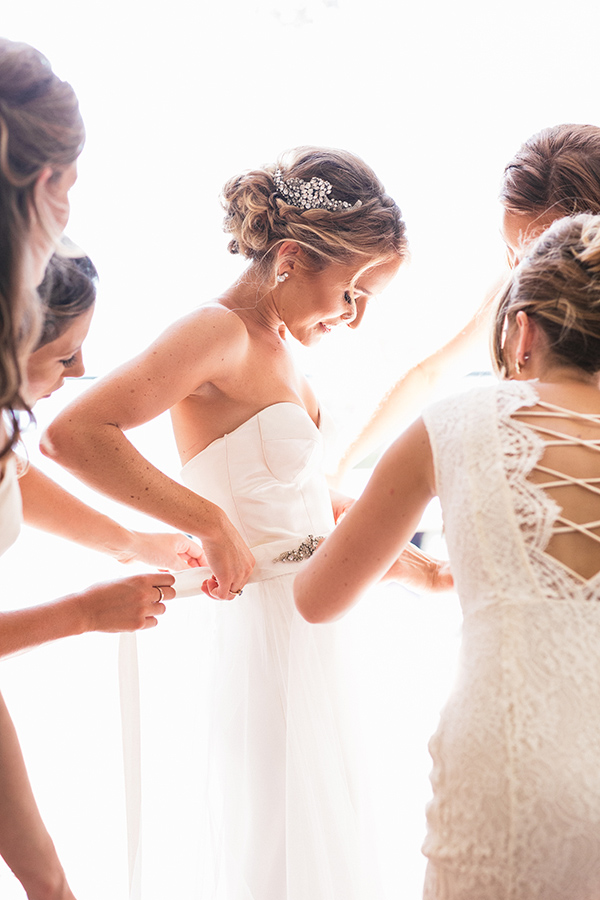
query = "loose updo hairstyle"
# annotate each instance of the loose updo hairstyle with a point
(557, 283)
(67, 291)
(556, 170)
(259, 217)
(40, 126)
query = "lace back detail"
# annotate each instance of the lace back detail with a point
(538, 486)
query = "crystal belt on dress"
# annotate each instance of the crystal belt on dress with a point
(272, 560)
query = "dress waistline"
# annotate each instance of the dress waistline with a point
(269, 564)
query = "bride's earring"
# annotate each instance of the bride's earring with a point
(283, 277)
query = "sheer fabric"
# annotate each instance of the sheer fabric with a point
(272, 775)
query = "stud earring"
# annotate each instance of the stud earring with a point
(283, 277)
(520, 365)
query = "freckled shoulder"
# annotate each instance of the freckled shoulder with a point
(210, 332)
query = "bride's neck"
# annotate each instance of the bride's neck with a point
(252, 296)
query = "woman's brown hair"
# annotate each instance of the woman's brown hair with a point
(555, 171)
(557, 283)
(40, 127)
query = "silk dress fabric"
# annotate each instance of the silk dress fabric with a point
(284, 822)
(515, 813)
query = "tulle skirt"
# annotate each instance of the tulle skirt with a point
(248, 784)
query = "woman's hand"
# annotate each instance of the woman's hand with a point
(229, 559)
(165, 551)
(127, 605)
(420, 572)
(340, 504)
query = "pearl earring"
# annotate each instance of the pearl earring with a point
(283, 277)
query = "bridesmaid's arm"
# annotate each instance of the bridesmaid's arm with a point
(340, 503)
(415, 388)
(130, 604)
(368, 541)
(49, 507)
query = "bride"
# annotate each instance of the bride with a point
(322, 238)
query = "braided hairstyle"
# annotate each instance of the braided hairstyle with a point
(259, 217)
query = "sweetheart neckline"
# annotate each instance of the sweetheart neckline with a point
(252, 418)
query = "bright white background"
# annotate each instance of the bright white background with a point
(177, 97)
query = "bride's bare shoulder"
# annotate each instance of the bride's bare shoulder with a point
(209, 326)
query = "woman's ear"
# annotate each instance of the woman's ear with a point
(287, 254)
(526, 335)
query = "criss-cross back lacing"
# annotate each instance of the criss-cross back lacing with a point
(552, 438)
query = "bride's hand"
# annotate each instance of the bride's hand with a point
(229, 559)
(164, 550)
(420, 572)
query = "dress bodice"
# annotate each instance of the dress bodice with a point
(267, 476)
(10, 506)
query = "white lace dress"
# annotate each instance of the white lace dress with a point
(516, 775)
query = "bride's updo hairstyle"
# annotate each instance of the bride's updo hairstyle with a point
(40, 126)
(557, 283)
(556, 171)
(361, 223)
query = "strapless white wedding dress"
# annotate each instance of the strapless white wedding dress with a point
(282, 805)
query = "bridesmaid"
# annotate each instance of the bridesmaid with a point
(41, 136)
(516, 465)
(555, 173)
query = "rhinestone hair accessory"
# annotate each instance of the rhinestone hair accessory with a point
(313, 194)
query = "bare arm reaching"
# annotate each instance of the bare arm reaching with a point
(49, 507)
(88, 437)
(127, 605)
(372, 534)
(414, 389)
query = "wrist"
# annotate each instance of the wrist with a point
(77, 616)
(125, 545)
(214, 525)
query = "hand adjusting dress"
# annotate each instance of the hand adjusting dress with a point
(282, 803)
(516, 775)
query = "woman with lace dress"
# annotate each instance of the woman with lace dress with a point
(555, 173)
(322, 238)
(516, 784)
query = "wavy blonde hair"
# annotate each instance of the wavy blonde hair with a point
(557, 283)
(40, 127)
(259, 218)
